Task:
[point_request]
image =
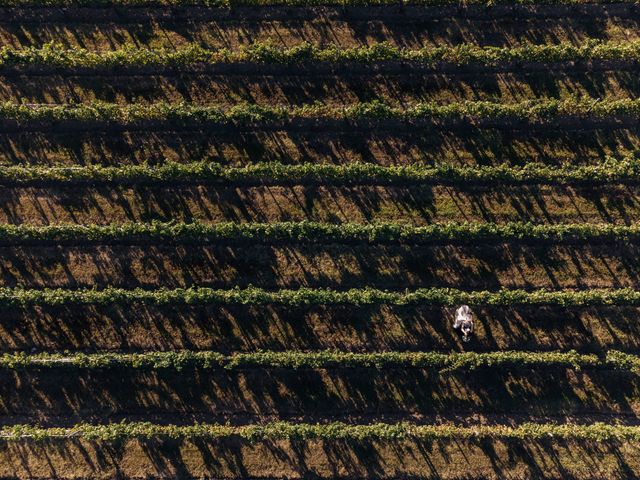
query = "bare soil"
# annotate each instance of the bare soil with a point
(395, 84)
(100, 28)
(552, 459)
(229, 328)
(97, 395)
(474, 266)
(384, 146)
(411, 204)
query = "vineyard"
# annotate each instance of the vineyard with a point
(234, 235)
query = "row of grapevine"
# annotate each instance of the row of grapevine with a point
(312, 232)
(329, 431)
(57, 55)
(610, 170)
(538, 110)
(322, 359)
(317, 296)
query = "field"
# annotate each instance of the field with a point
(234, 234)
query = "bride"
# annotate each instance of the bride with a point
(464, 321)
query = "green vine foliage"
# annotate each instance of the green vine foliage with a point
(610, 170)
(321, 359)
(313, 232)
(329, 431)
(244, 113)
(320, 296)
(58, 55)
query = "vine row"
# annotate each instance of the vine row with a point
(330, 431)
(320, 296)
(609, 170)
(58, 55)
(532, 111)
(322, 359)
(313, 232)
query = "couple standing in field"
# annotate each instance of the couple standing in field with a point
(464, 321)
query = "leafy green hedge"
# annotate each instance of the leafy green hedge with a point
(322, 359)
(329, 431)
(534, 111)
(311, 296)
(316, 232)
(58, 55)
(627, 169)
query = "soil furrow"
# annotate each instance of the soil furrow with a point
(414, 204)
(529, 265)
(491, 459)
(103, 28)
(249, 328)
(347, 84)
(97, 394)
(470, 146)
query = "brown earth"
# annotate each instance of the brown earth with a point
(169, 396)
(340, 85)
(475, 266)
(411, 204)
(100, 28)
(230, 328)
(491, 459)
(402, 146)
